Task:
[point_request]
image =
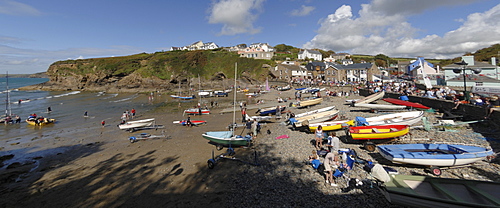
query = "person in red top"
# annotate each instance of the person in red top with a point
(132, 112)
(243, 114)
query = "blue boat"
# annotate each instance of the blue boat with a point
(435, 155)
(303, 88)
(270, 111)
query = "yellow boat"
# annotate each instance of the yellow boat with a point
(306, 103)
(331, 125)
(45, 121)
(378, 132)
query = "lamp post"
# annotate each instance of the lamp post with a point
(464, 64)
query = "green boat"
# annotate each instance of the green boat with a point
(425, 191)
(226, 138)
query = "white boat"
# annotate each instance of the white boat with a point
(370, 98)
(128, 125)
(314, 118)
(258, 118)
(142, 121)
(403, 118)
(380, 106)
(315, 111)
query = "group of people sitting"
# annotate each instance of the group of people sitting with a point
(331, 160)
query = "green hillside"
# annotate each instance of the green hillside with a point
(166, 65)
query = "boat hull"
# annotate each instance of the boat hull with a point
(46, 121)
(331, 125)
(135, 125)
(226, 138)
(196, 111)
(424, 191)
(440, 155)
(405, 103)
(196, 122)
(380, 106)
(370, 98)
(378, 132)
(404, 118)
(270, 111)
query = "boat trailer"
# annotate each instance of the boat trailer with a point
(229, 155)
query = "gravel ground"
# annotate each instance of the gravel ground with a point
(285, 179)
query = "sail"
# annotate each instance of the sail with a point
(267, 84)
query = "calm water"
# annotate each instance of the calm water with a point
(67, 107)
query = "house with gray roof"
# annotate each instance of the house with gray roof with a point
(310, 54)
(488, 75)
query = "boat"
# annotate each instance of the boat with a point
(302, 88)
(193, 122)
(258, 118)
(314, 111)
(405, 103)
(380, 106)
(270, 110)
(221, 138)
(136, 124)
(7, 117)
(314, 118)
(402, 118)
(370, 98)
(206, 93)
(426, 191)
(285, 88)
(196, 111)
(40, 121)
(331, 125)
(252, 94)
(306, 103)
(377, 132)
(439, 155)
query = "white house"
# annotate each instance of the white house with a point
(199, 45)
(257, 51)
(476, 73)
(316, 55)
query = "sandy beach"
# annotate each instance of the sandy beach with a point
(105, 170)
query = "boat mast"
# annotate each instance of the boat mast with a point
(234, 89)
(8, 110)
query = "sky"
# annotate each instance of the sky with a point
(35, 34)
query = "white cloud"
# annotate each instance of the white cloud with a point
(303, 11)
(10, 7)
(382, 27)
(237, 16)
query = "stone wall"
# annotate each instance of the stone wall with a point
(469, 112)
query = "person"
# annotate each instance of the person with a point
(314, 160)
(188, 122)
(254, 127)
(18, 119)
(132, 112)
(49, 109)
(85, 114)
(319, 137)
(248, 124)
(243, 114)
(331, 160)
(126, 114)
(494, 103)
(103, 123)
(333, 142)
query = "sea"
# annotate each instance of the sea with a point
(67, 107)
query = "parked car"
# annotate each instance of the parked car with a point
(220, 94)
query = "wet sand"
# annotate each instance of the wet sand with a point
(99, 167)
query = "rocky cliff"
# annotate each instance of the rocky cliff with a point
(149, 72)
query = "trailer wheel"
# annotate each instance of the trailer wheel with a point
(435, 171)
(489, 158)
(131, 130)
(370, 147)
(211, 163)
(219, 147)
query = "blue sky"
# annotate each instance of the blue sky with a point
(34, 33)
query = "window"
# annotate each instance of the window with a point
(479, 84)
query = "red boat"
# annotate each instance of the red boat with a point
(196, 111)
(405, 103)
